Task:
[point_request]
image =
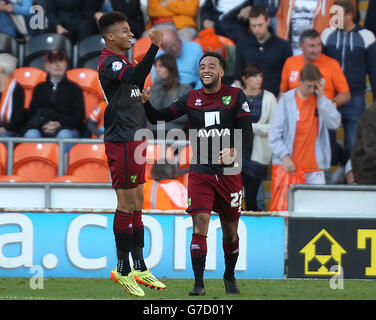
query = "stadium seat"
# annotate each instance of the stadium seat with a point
(67, 178)
(184, 157)
(88, 162)
(14, 178)
(36, 161)
(9, 45)
(37, 46)
(226, 41)
(155, 153)
(28, 78)
(140, 48)
(89, 51)
(3, 159)
(148, 80)
(88, 80)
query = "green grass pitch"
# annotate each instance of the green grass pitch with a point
(177, 289)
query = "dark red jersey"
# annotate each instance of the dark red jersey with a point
(213, 119)
(122, 84)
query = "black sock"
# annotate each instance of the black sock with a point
(198, 265)
(123, 266)
(138, 259)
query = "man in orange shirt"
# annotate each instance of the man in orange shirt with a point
(336, 86)
(298, 135)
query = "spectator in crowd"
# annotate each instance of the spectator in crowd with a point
(57, 106)
(370, 21)
(94, 9)
(295, 16)
(363, 155)
(179, 15)
(228, 18)
(166, 88)
(349, 175)
(187, 55)
(12, 98)
(272, 7)
(336, 86)
(264, 48)
(355, 49)
(257, 157)
(210, 41)
(298, 135)
(12, 17)
(95, 121)
(66, 17)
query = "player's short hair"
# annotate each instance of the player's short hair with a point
(257, 11)
(251, 70)
(221, 59)
(109, 19)
(310, 72)
(347, 5)
(308, 34)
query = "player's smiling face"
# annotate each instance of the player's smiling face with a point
(121, 35)
(210, 71)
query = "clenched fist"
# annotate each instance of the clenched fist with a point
(156, 36)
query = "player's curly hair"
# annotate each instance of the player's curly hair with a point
(221, 59)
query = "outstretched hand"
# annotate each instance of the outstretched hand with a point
(145, 95)
(227, 156)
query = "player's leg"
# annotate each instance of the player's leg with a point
(228, 205)
(123, 232)
(140, 271)
(230, 244)
(200, 200)
(199, 250)
(138, 232)
(123, 219)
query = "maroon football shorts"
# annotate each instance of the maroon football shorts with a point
(126, 161)
(219, 193)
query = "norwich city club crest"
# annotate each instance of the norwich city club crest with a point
(226, 100)
(133, 178)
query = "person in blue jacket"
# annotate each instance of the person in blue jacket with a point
(354, 48)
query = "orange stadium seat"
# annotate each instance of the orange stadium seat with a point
(3, 159)
(185, 157)
(14, 178)
(154, 153)
(36, 161)
(67, 178)
(28, 78)
(88, 162)
(88, 80)
(184, 160)
(226, 41)
(148, 81)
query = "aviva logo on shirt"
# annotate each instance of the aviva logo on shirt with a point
(135, 93)
(226, 100)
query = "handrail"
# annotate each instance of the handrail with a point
(10, 142)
